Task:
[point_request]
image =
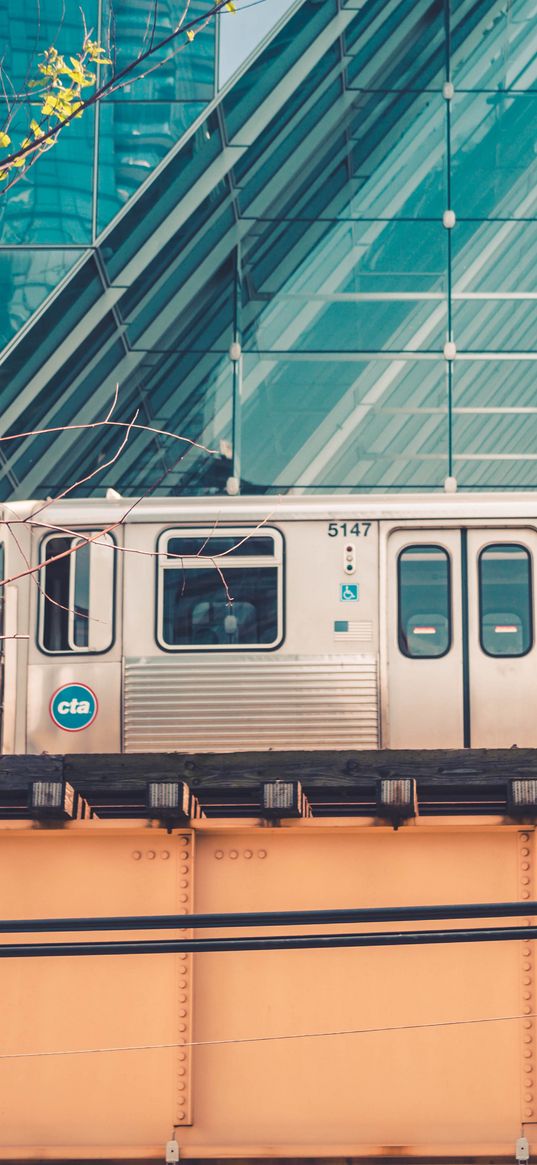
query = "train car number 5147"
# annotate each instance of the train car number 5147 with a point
(347, 528)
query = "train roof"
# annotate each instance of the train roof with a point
(445, 507)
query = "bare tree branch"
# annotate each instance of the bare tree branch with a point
(116, 81)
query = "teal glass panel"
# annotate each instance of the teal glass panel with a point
(27, 29)
(70, 390)
(31, 460)
(493, 45)
(386, 159)
(190, 398)
(494, 256)
(52, 202)
(493, 155)
(184, 252)
(282, 144)
(185, 321)
(487, 384)
(346, 423)
(494, 423)
(275, 62)
(196, 404)
(397, 155)
(134, 137)
(179, 70)
(495, 325)
(315, 325)
(175, 180)
(49, 329)
(495, 450)
(304, 259)
(396, 44)
(26, 279)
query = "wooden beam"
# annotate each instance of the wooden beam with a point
(229, 784)
(316, 770)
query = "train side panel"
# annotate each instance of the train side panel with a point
(241, 629)
(316, 688)
(74, 672)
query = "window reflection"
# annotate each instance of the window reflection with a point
(424, 602)
(230, 601)
(505, 601)
(197, 611)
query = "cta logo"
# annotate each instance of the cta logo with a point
(73, 707)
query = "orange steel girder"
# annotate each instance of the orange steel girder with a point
(227, 1053)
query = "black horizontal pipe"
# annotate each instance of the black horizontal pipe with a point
(279, 942)
(272, 918)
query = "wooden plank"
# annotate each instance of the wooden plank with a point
(314, 769)
(350, 771)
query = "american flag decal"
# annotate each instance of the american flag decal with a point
(354, 631)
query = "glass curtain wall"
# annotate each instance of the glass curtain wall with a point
(386, 211)
(416, 228)
(58, 209)
(358, 210)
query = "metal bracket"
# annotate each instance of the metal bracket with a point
(172, 1152)
(522, 1150)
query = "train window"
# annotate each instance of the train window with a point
(220, 591)
(76, 593)
(505, 601)
(424, 624)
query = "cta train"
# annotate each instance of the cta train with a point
(227, 624)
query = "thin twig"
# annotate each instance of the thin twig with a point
(110, 424)
(94, 472)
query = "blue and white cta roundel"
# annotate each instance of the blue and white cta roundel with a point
(74, 707)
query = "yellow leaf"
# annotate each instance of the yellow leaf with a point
(49, 106)
(95, 52)
(231, 7)
(19, 162)
(36, 129)
(190, 34)
(76, 75)
(5, 139)
(3, 175)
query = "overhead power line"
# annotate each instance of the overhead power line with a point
(337, 1032)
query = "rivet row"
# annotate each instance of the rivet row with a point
(527, 982)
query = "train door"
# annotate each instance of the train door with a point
(74, 662)
(461, 655)
(502, 656)
(425, 695)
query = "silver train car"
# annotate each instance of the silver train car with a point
(228, 624)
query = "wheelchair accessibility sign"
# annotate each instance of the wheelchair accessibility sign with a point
(349, 592)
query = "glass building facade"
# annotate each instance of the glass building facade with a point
(357, 210)
(59, 208)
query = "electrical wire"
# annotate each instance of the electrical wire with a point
(358, 1031)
